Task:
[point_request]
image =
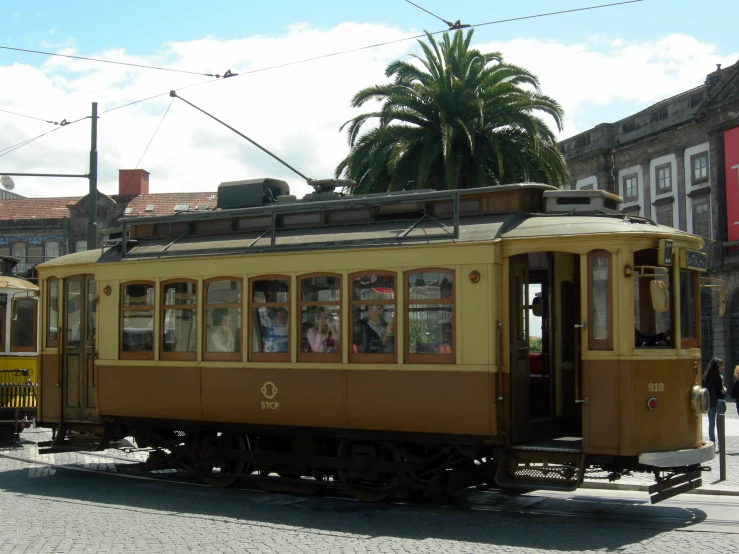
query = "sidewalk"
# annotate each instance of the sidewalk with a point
(711, 483)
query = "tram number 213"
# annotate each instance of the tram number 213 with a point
(656, 387)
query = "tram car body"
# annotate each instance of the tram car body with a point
(383, 342)
(18, 350)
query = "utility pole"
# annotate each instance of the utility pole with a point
(92, 176)
(92, 197)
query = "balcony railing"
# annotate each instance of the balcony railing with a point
(29, 262)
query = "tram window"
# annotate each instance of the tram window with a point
(3, 302)
(373, 318)
(430, 316)
(599, 301)
(652, 323)
(270, 321)
(73, 302)
(320, 318)
(23, 325)
(179, 321)
(137, 321)
(52, 313)
(222, 319)
(689, 308)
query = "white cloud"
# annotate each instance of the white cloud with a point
(294, 111)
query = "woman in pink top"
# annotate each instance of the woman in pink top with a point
(323, 336)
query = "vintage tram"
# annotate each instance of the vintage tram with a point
(385, 342)
(18, 354)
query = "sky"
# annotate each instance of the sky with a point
(601, 65)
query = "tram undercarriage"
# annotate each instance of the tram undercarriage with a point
(371, 468)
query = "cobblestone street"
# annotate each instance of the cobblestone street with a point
(60, 510)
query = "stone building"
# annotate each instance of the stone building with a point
(38, 229)
(677, 162)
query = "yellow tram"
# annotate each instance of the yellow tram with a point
(384, 342)
(18, 352)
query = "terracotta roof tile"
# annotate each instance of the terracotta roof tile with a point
(51, 208)
(37, 208)
(164, 203)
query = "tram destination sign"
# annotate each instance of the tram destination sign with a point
(696, 260)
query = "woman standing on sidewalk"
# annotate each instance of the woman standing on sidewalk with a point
(713, 381)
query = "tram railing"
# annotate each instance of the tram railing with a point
(18, 401)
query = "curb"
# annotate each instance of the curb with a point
(645, 488)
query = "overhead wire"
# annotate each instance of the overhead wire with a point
(98, 60)
(431, 14)
(228, 74)
(7, 150)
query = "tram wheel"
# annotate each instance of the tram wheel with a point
(212, 471)
(377, 489)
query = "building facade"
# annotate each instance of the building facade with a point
(38, 229)
(677, 162)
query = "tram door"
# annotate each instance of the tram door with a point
(78, 359)
(519, 341)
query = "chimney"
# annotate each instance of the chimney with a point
(132, 182)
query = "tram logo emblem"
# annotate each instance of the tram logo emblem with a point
(269, 390)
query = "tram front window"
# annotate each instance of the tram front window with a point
(689, 308)
(653, 305)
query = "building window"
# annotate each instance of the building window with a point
(702, 216)
(51, 250)
(19, 251)
(631, 187)
(137, 321)
(52, 313)
(663, 214)
(663, 178)
(80, 246)
(320, 318)
(270, 318)
(222, 319)
(179, 320)
(373, 317)
(699, 166)
(429, 316)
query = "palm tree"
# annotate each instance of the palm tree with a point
(462, 119)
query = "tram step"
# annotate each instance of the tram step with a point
(540, 470)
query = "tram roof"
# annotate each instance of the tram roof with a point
(7, 282)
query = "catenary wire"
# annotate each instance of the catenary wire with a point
(334, 54)
(7, 150)
(108, 61)
(30, 117)
(428, 12)
(155, 134)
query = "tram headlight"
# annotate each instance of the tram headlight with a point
(699, 400)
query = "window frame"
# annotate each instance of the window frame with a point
(624, 179)
(667, 207)
(326, 357)
(3, 312)
(697, 202)
(222, 356)
(690, 342)
(49, 243)
(381, 358)
(137, 355)
(700, 180)
(269, 356)
(667, 168)
(429, 358)
(34, 347)
(47, 335)
(593, 343)
(179, 356)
